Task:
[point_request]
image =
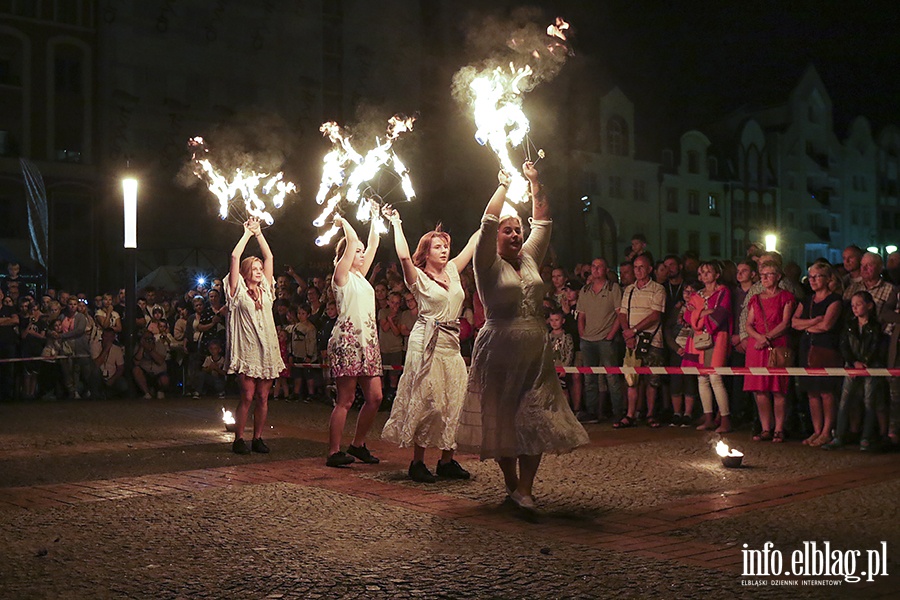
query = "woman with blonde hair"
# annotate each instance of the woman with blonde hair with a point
(252, 342)
(354, 355)
(432, 389)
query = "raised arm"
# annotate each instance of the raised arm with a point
(234, 270)
(342, 269)
(540, 210)
(495, 205)
(268, 260)
(402, 247)
(462, 259)
(372, 245)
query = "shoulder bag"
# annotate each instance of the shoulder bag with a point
(780, 357)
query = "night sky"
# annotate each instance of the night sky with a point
(690, 61)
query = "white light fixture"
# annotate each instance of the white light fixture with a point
(129, 189)
(771, 242)
(890, 249)
(873, 249)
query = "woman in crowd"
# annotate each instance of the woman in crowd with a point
(353, 352)
(252, 341)
(678, 334)
(768, 322)
(710, 317)
(432, 390)
(818, 319)
(515, 409)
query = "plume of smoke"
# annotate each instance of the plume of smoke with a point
(520, 40)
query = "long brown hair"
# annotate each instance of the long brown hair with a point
(246, 267)
(421, 254)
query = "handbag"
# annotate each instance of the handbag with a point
(643, 341)
(703, 340)
(782, 356)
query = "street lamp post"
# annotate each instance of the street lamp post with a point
(129, 190)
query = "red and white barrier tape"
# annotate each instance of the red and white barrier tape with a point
(760, 371)
(42, 358)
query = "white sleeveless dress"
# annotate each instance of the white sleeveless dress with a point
(515, 405)
(252, 344)
(353, 349)
(432, 389)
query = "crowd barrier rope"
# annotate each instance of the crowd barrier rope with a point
(43, 358)
(792, 371)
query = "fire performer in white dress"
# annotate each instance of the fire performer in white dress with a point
(432, 389)
(354, 355)
(515, 409)
(252, 347)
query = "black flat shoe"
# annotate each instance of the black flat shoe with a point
(258, 445)
(451, 470)
(362, 453)
(419, 473)
(240, 447)
(339, 459)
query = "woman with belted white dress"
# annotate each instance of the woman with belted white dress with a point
(431, 392)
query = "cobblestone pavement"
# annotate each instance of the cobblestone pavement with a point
(144, 499)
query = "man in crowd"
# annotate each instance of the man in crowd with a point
(852, 256)
(598, 325)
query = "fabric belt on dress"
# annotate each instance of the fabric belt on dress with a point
(432, 330)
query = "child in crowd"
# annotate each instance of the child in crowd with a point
(679, 335)
(303, 347)
(562, 345)
(323, 334)
(214, 369)
(862, 347)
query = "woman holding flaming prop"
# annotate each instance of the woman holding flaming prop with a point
(252, 343)
(354, 355)
(515, 409)
(432, 389)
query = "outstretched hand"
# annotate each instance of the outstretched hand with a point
(252, 226)
(503, 178)
(530, 172)
(338, 221)
(391, 214)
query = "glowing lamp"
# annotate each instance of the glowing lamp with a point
(129, 189)
(771, 242)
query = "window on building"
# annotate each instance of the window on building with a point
(672, 241)
(713, 205)
(672, 200)
(715, 244)
(693, 161)
(615, 186)
(713, 166)
(694, 242)
(640, 190)
(68, 75)
(694, 202)
(617, 136)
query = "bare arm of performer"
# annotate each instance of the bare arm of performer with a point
(465, 255)
(342, 268)
(402, 247)
(268, 259)
(234, 270)
(371, 245)
(540, 209)
(495, 205)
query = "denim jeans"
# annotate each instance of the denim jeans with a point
(850, 389)
(602, 354)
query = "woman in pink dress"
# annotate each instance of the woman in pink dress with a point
(710, 313)
(252, 343)
(768, 323)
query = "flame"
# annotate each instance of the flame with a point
(248, 186)
(346, 175)
(723, 450)
(227, 417)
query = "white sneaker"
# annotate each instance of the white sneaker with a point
(147, 396)
(76, 396)
(160, 395)
(195, 395)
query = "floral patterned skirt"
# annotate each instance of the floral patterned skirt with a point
(353, 352)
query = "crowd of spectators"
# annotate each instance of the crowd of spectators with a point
(677, 311)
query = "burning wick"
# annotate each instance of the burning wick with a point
(228, 419)
(730, 457)
(540, 156)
